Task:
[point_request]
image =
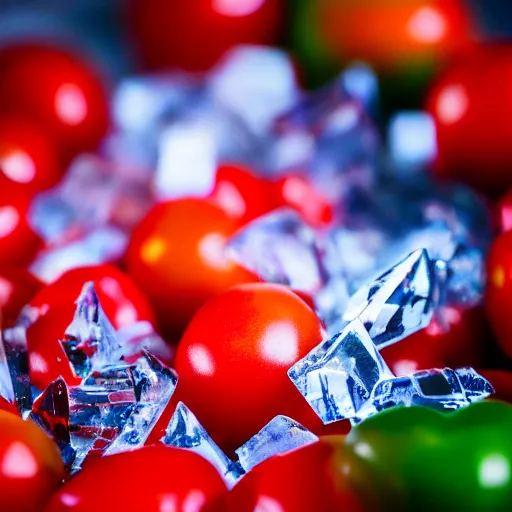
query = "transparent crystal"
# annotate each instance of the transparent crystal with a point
(437, 389)
(154, 386)
(50, 411)
(338, 376)
(185, 431)
(398, 303)
(256, 83)
(279, 436)
(90, 340)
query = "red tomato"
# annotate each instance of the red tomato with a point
(30, 465)
(498, 294)
(242, 195)
(29, 160)
(17, 288)
(470, 104)
(151, 479)
(8, 407)
(233, 359)
(460, 343)
(192, 35)
(306, 479)
(18, 243)
(121, 300)
(503, 213)
(177, 257)
(393, 33)
(57, 90)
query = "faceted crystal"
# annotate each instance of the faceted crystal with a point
(50, 411)
(338, 376)
(398, 303)
(90, 340)
(185, 431)
(279, 436)
(437, 389)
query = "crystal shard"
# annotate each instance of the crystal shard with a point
(279, 436)
(90, 340)
(398, 303)
(339, 375)
(50, 411)
(438, 389)
(185, 431)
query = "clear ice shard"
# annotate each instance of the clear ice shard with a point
(338, 376)
(154, 386)
(280, 248)
(185, 431)
(437, 389)
(281, 435)
(90, 341)
(397, 303)
(50, 411)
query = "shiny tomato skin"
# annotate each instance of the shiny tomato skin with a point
(57, 90)
(177, 257)
(31, 468)
(151, 479)
(233, 359)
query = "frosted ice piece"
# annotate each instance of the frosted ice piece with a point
(90, 340)
(185, 431)
(281, 435)
(110, 194)
(398, 303)
(338, 376)
(136, 337)
(102, 245)
(255, 82)
(362, 83)
(89, 443)
(50, 411)
(14, 363)
(328, 135)
(280, 248)
(154, 387)
(437, 389)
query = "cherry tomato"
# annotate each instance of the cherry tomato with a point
(151, 479)
(306, 479)
(31, 468)
(233, 358)
(242, 195)
(296, 192)
(18, 243)
(470, 103)
(121, 300)
(503, 213)
(177, 257)
(7, 406)
(498, 294)
(192, 35)
(57, 90)
(17, 288)
(458, 343)
(29, 159)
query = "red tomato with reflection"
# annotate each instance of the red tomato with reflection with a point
(18, 242)
(498, 293)
(29, 159)
(192, 35)
(122, 301)
(7, 406)
(31, 468)
(151, 479)
(460, 342)
(241, 194)
(470, 104)
(503, 213)
(309, 478)
(233, 359)
(393, 33)
(57, 90)
(17, 288)
(177, 257)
